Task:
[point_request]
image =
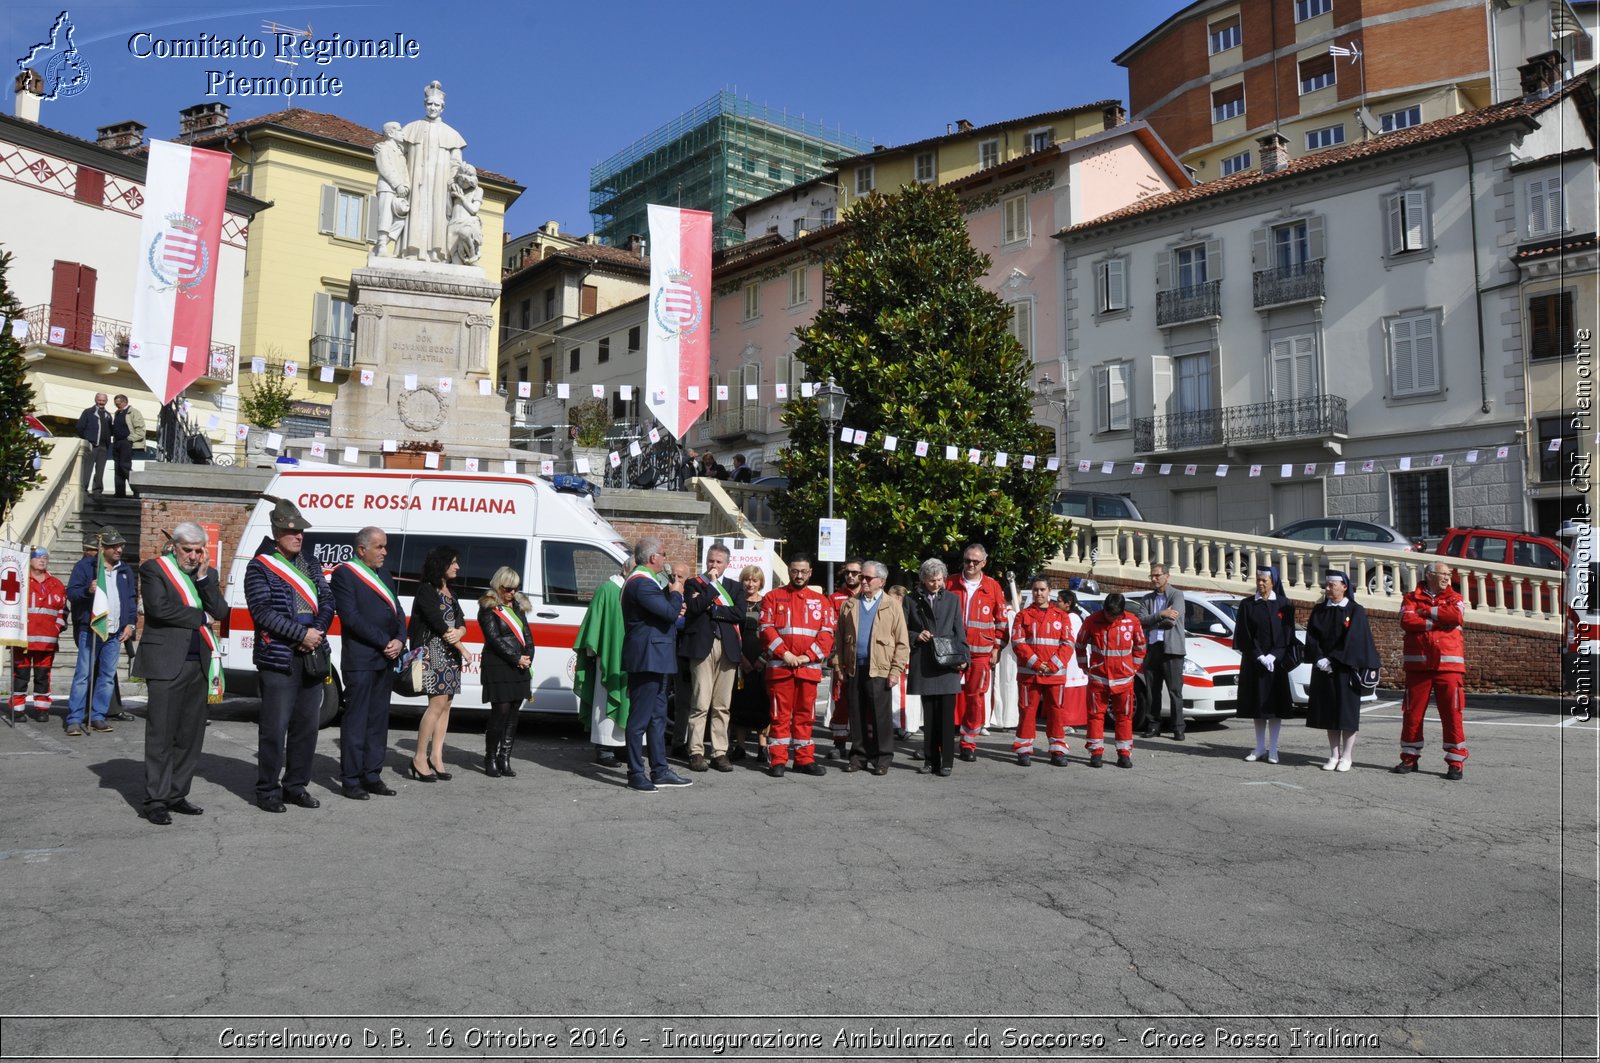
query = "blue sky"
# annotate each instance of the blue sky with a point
(542, 91)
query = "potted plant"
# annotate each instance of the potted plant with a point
(412, 454)
(270, 399)
(588, 423)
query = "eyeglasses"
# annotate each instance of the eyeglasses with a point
(972, 560)
(852, 572)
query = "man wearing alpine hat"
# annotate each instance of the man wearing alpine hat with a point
(292, 608)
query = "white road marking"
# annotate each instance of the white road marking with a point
(1274, 782)
(1568, 722)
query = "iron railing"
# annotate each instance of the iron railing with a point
(1199, 302)
(1289, 284)
(736, 421)
(1317, 417)
(105, 337)
(337, 351)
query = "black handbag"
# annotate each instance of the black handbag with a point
(319, 662)
(947, 654)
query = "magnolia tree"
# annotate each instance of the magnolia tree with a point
(18, 447)
(924, 353)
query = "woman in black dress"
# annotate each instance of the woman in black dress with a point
(1264, 636)
(750, 712)
(437, 625)
(507, 667)
(1344, 660)
(933, 612)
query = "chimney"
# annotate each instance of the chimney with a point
(635, 244)
(963, 126)
(1274, 152)
(123, 137)
(530, 255)
(1113, 116)
(1541, 73)
(29, 87)
(194, 122)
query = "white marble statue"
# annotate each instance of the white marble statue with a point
(466, 228)
(394, 190)
(433, 154)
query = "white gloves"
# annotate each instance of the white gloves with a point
(1266, 661)
(1324, 665)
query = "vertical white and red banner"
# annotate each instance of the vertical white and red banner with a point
(13, 595)
(186, 191)
(678, 353)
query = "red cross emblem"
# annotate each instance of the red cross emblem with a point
(10, 584)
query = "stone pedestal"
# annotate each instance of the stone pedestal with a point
(432, 320)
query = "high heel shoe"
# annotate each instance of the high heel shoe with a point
(411, 772)
(442, 775)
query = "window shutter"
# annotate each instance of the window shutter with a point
(90, 186)
(1260, 250)
(1416, 219)
(1554, 214)
(784, 371)
(321, 315)
(1282, 370)
(1022, 325)
(1425, 346)
(1102, 397)
(1395, 225)
(328, 216)
(1114, 284)
(1121, 386)
(1163, 271)
(1316, 241)
(1213, 260)
(1163, 400)
(369, 209)
(1304, 354)
(590, 302)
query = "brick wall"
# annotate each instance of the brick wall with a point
(158, 514)
(1499, 660)
(680, 538)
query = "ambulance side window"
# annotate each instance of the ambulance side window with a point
(572, 571)
(479, 558)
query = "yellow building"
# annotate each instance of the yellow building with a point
(965, 149)
(318, 173)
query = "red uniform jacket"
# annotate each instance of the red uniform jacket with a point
(1434, 641)
(47, 613)
(798, 622)
(1042, 639)
(1116, 648)
(985, 614)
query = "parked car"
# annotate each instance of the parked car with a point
(1357, 534)
(1505, 548)
(1094, 505)
(1210, 673)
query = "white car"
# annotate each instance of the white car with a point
(1210, 618)
(1210, 672)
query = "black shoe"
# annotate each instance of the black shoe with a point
(1403, 768)
(303, 799)
(1096, 760)
(943, 773)
(811, 769)
(671, 778)
(1150, 732)
(184, 807)
(1178, 736)
(607, 759)
(505, 766)
(926, 769)
(879, 769)
(271, 805)
(775, 770)
(355, 793)
(968, 755)
(1124, 761)
(491, 767)
(443, 776)
(125, 717)
(737, 752)
(853, 766)
(39, 716)
(1023, 760)
(1058, 760)
(410, 771)
(378, 788)
(1454, 774)
(159, 816)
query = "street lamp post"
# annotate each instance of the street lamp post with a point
(831, 401)
(1047, 393)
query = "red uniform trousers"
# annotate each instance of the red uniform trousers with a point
(1031, 696)
(31, 665)
(794, 710)
(1121, 702)
(1450, 695)
(972, 704)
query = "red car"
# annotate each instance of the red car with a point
(1504, 548)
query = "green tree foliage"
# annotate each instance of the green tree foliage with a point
(592, 419)
(924, 353)
(271, 394)
(18, 447)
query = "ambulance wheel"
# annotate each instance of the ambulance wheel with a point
(332, 702)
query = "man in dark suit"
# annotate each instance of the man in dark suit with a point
(650, 657)
(127, 435)
(374, 628)
(713, 610)
(1163, 662)
(95, 428)
(178, 657)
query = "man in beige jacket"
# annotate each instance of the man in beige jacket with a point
(870, 652)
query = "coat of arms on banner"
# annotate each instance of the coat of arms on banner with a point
(178, 256)
(677, 305)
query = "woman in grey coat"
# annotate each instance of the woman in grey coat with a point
(933, 612)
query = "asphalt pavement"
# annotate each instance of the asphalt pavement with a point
(1196, 906)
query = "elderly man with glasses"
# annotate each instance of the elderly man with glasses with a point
(1435, 660)
(871, 651)
(983, 611)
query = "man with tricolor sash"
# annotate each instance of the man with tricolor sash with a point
(292, 609)
(104, 610)
(713, 611)
(181, 661)
(373, 629)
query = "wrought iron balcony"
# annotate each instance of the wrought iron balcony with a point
(337, 351)
(1200, 302)
(1290, 284)
(104, 337)
(1317, 417)
(737, 421)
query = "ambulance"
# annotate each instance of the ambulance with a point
(553, 538)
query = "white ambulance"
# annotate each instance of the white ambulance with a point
(554, 539)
